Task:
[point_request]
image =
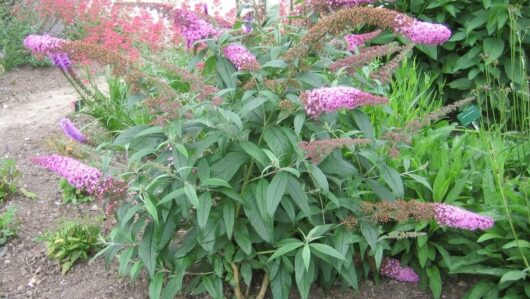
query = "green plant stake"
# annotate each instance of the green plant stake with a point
(469, 116)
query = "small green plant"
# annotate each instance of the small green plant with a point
(9, 176)
(72, 242)
(71, 194)
(7, 228)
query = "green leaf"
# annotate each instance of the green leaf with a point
(298, 195)
(327, 250)
(480, 289)
(306, 256)
(275, 192)
(281, 284)
(319, 177)
(203, 209)
(280, 64)
(363, 122)
(189, 190)
(151, 208)
(493, 48)
(215, 182)
(225, 69)
(286, 248)
(299, 120)
(512, 275)
(516, 244)
(370, 233)
(226, 168)
(242, 238)
(251, 105)
(303, 278)
(155, 286)
(421, 180)
(277, 141)
(229, 217)
(255, 152)
(146, 249)
(435, 281)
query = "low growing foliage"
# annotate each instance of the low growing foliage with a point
(7, 225)
(72, 242)
(9, 176)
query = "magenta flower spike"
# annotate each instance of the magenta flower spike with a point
(424, 32)
(241, 57)
(329, 99)
(459, 218)
(70, 130)
(392, 268)
(78, 174)
(48, 45)
(335, 4)
(357, 40)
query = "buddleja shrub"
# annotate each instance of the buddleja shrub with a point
(269, 180)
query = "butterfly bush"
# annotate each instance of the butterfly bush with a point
(70, 130)
(459, 218)
(47, 46)
(241, 57)
(192, 27)
(329, 99)
(357, 40)
(78, 174)
(392, 268)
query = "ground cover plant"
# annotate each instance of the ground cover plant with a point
(73, 241)
(9, 176)
(7, 225)
(260, 168)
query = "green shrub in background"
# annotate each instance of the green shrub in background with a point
(12, 32)
(488, 52)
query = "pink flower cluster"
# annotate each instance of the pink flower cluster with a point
(329, 99)
(424, 32)
(392, 268)
(79, 175)
(47, 46)
(192, 27)
(357, 40)
(459, 218)
(241, 57)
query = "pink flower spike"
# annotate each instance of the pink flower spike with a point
(357, 40)
(329, 99)
(459, 218)
(426, 33)
(392, 268)
(79, 175)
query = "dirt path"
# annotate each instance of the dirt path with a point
(31, 103)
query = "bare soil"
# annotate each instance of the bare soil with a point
(31, 103)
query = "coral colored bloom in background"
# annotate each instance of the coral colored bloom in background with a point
(357, 40)
(392, 268)
(329, 99)
(78, 174)
(70, 130)
(241, 57)
(459, 218)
